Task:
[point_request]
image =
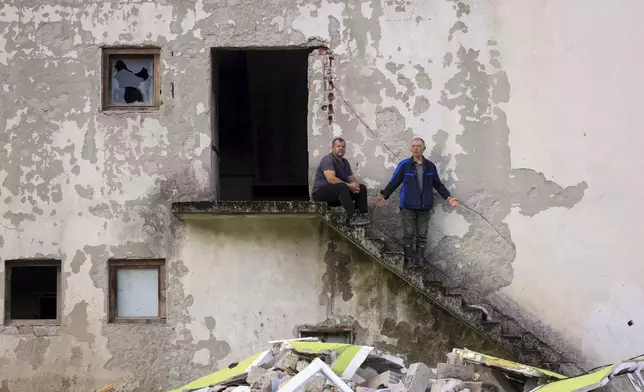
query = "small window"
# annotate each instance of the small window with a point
(131, 79)
(328, 335)
(137, 291)
(32, 292)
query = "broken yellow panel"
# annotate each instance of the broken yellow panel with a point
(221, 375)
(504, 364)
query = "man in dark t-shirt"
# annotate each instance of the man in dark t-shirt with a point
(335, 182)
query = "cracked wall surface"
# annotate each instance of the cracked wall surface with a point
(514, 98)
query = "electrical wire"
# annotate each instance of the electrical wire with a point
(375, 135)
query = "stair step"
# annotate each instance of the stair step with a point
(492, 327)
(457, 299)
(455, 302)
(454, 290)
(529, 358)
(377, 244)
(394, 257)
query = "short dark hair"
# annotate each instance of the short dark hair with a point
(337, 139)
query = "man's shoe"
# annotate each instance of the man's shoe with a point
(408, 253)
(357, 220)
(420, 255)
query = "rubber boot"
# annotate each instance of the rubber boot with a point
(420, 255)
(408, 255)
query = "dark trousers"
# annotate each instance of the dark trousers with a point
(415, 226)
(334, 193)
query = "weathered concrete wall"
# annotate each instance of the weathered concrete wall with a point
(503, 91)
(233, 285)
(509, 97)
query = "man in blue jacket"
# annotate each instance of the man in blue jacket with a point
(418, 176)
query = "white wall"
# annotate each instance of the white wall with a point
(575, 114)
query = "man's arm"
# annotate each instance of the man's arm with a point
(330, 177)
(326, 164)
(440, 188)
(352, 182)
(395, 181)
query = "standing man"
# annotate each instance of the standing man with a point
(418, 176)
(334, 182)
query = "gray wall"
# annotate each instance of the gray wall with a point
(233, 285)
(515, 99)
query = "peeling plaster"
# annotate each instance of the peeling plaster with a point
(32, 351)
(77, 262)
(97, 185)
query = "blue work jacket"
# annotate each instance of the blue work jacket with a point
(411, 194)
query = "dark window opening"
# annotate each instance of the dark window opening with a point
(328, 335)
(32, 290)
(260, 138)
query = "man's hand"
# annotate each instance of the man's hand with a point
(380, 201)
(453, 202)
(353, 187)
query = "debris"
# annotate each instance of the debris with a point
(311, 366)
(418, 377)
(301, 365)
(315, 384)
(264, 382)
(473, 386)
(255, 373)
(366, 373)
(447, 385)
(384, 380)
(461, 372)
(513, 367)
(108, 388)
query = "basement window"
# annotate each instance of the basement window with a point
(131, 79)
(137, 291)
(328, 335)
(32, 292)
(260, 142)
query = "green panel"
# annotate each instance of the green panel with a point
(220, 375)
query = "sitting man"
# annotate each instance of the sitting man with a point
(334, 182)
(418, 176)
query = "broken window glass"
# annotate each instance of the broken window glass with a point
(131, 80)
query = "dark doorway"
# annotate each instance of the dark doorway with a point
(260, 136)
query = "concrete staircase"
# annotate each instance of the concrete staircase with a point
(476, 312)
(519, 344)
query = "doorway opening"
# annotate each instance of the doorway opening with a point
(260, 124)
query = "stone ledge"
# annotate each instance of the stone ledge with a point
(213, 209)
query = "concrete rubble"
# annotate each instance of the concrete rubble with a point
(307, 365)
(358, 369)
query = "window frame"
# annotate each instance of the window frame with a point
(113, 266)
(8, 267)
(106, 78)
(327, 331)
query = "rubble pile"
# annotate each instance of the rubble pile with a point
(311, 366)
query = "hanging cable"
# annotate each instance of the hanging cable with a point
(375, 135)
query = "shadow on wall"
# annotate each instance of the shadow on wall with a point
(396, 317)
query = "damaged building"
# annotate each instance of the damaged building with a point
(156, 160)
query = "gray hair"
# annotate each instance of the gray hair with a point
(420, 139)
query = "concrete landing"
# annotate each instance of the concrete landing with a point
(214, 209)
